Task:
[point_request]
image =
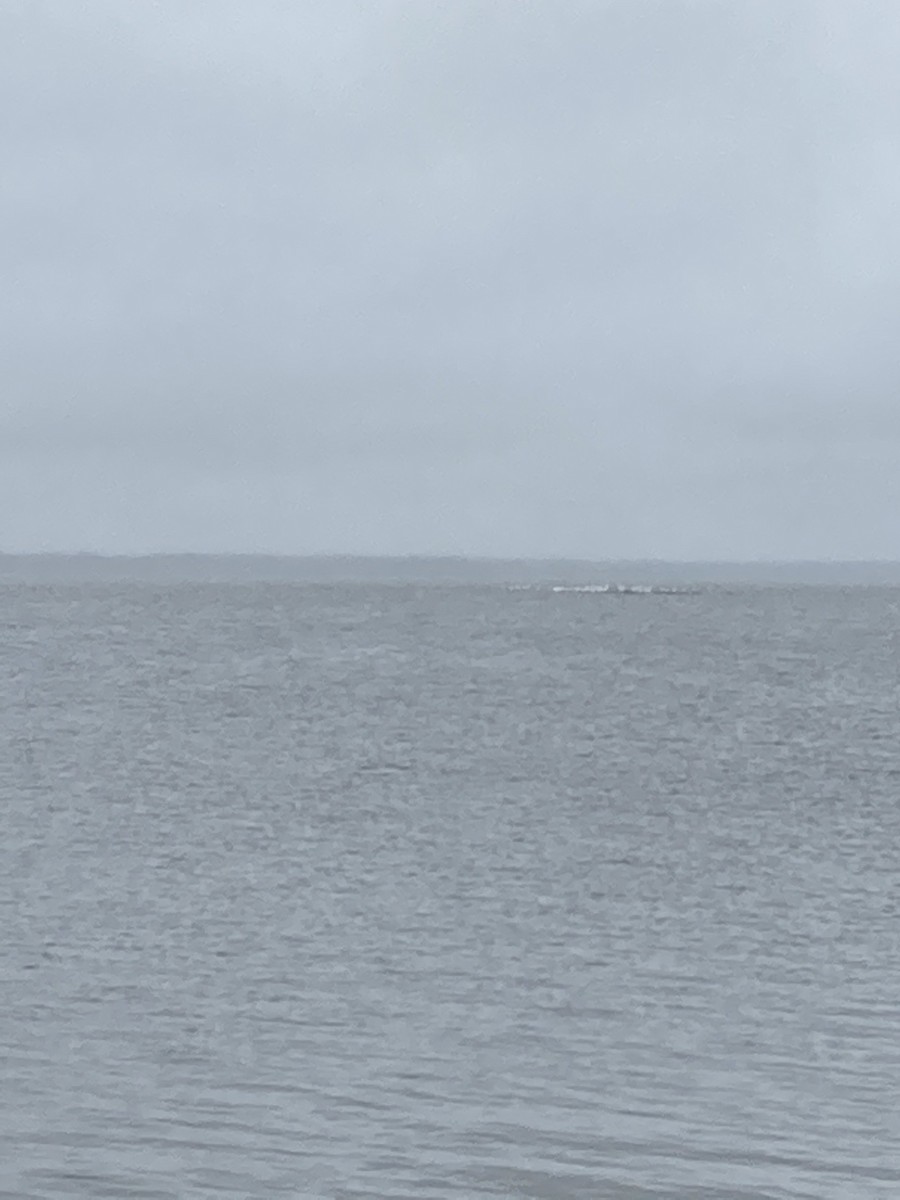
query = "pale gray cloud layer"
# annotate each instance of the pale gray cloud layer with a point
(452, 276)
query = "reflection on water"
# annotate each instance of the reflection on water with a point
(424, 892)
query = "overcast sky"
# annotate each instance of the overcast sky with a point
(502, 277)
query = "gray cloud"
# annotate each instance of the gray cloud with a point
(506, 278)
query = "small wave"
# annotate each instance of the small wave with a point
(626, 589)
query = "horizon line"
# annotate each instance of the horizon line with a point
(418, 556)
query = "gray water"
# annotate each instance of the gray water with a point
(449, 892)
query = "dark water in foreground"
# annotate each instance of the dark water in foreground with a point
(449, 892)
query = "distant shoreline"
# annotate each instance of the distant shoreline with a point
(422, 569)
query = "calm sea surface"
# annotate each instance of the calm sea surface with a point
(361, 891)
